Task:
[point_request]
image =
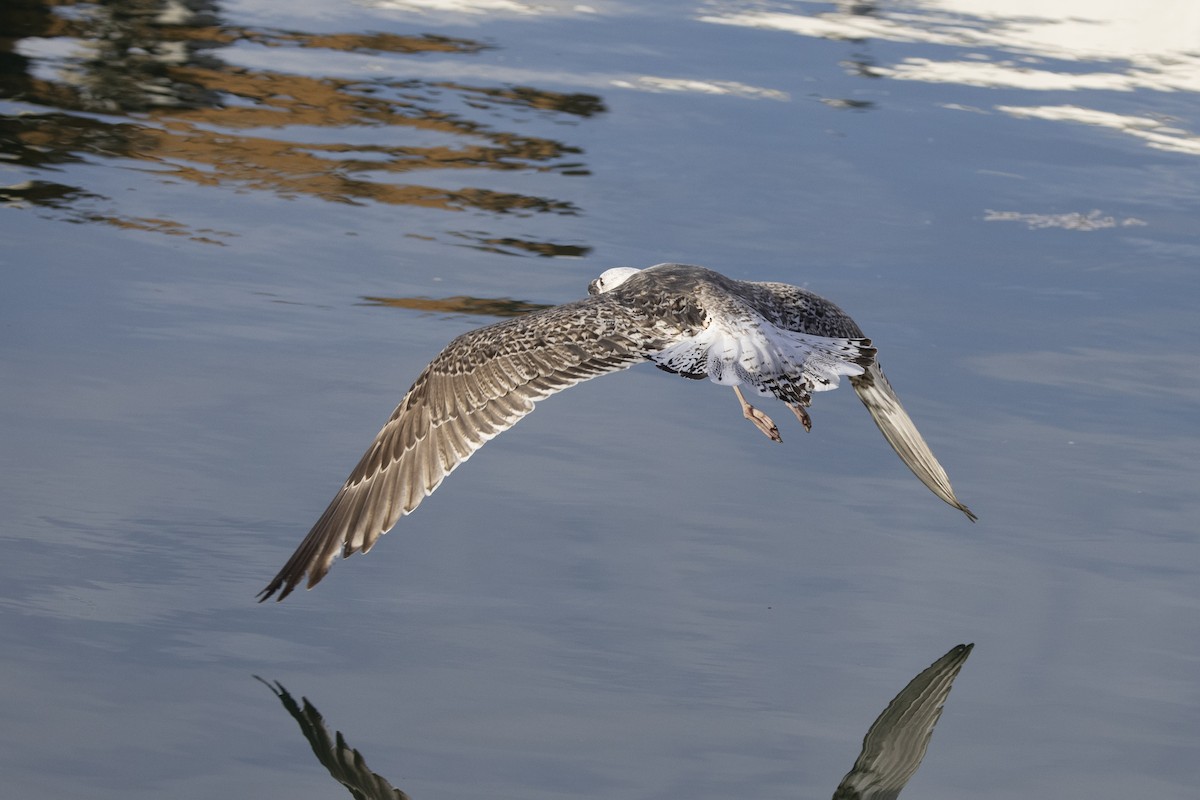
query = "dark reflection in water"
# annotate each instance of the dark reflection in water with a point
(895, 743)
(460, 305)
(853, 105)
(345, 764)
(153, 66)
(510, 246)
(892, 750)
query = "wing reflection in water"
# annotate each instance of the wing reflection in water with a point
(892, 750)
(895, 744)
(141, 80)
(344, 763)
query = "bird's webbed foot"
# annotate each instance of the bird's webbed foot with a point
(760, 420)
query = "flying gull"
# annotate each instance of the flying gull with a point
(778, 340)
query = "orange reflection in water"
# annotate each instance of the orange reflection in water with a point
(206, 122)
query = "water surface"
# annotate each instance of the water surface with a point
(234, 232)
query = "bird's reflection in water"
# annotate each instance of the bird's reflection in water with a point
(141, 80)
(892, 749)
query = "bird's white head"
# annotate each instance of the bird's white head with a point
(611, 279)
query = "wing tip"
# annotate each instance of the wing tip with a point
(281, 585)
(288, 579)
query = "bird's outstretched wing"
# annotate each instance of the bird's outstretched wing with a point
(902, 434)
(482, 384)
(895, 744)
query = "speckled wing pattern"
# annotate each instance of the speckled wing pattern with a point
(895, 744)
(481, 384)
(779, 339)
(784, 364)
(797, 309)
(770, 337)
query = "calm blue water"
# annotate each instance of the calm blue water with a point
(234, 233)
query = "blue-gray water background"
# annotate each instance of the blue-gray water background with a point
(234, 232)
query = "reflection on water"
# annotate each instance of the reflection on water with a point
(1034, 45)
(895, 743)
(892, 750)
(460, 305)
(1157, 133)
(1094, 220)
(511, 246)
(1151, 45)
(345, 764)
(142, 80)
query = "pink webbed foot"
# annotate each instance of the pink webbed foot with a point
(760, 420)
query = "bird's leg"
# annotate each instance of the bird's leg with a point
(760, 420)
(802, 415)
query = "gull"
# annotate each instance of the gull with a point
(777, 340)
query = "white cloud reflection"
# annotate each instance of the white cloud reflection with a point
(359, 64)
(485, 10)
(484, 7)
(1093, 220)
(1011, 74)
(1034, 45)
(1155, 132)
(651, 83)
(1143, 45)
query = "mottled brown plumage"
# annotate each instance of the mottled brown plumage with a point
(779, 340)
